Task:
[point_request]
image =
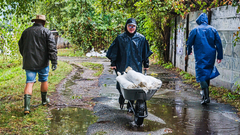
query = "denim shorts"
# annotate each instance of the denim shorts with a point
(42, 75)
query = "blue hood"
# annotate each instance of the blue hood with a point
(202, 19)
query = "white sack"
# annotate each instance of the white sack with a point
(124, 82)
(136, 78)
(152, 82)
(133, 79)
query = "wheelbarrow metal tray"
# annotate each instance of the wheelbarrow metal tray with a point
(138, 94)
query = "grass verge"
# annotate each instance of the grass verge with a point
(12, 83)
(70, 53)
(94, 66)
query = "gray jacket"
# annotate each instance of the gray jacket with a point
(37, 46)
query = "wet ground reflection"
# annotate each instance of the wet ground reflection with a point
(146, 126)
(71, 121)
(191, 118)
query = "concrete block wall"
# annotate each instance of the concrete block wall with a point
(226, 21)
(180, 43)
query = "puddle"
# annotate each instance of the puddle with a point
(78, 73)
(171, 82)
(69, 83)
(185, 117)
(67, 92)
(77, 76)
(71, 121)
(146, 126)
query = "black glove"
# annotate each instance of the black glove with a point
(54, 67)
(146, 63)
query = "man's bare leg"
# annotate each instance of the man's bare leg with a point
(28, 88)
(44, 86)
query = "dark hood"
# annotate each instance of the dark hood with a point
(202, 19)
(130, 21)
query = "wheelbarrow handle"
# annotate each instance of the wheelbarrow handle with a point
(145, 71)
(115, 71)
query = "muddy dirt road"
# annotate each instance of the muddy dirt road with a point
(89, 105)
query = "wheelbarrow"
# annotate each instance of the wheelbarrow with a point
(139, 108)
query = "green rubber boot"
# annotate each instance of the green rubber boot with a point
(45, 100)
(27, 99)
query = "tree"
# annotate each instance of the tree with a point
(91, 24)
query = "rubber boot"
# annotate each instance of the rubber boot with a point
(27, 99)
(207, 99)
(203, 102)
(121, 100)
(45, 100)
(129, 108)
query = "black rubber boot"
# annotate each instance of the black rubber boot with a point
(207, 99)
(27, 99)
(45, 100)
(121, 100)
(203, 102)
(129, 108)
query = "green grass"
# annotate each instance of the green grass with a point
(94, 66)
(167, 65)
(70, 53)
(188, 78)
(12, 83)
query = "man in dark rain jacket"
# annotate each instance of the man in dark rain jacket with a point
(129, 49)
(206, 42)
(37, 46)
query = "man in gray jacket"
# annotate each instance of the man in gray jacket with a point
(37, 47)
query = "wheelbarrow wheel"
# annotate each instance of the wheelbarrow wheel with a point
(138, 120)
(139, 109)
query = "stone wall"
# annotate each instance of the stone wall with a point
(226, 21)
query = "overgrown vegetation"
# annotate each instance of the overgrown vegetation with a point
(95, 24)
(167, 65)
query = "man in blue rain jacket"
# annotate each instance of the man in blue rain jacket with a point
(206, 42)
(129, 49)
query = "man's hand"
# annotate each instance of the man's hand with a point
(146, 69)
(113, 67)
(218, 61)
(54, 67)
